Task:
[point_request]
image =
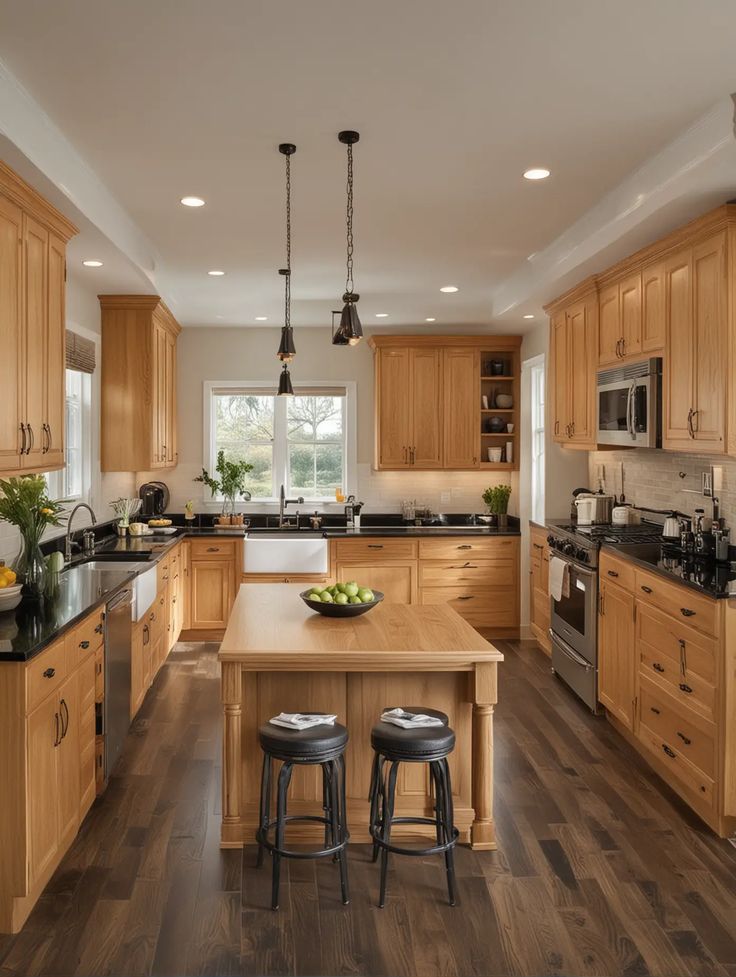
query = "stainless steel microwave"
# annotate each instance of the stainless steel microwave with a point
(630, 405)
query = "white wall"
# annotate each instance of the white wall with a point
(225, 354)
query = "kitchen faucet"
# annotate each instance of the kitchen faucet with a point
(283, 502)
(68, 537)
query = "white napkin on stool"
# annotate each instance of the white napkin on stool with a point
(302, 720)
(410, 720)
(559, 578)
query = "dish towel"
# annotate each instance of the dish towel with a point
(302, 720)
(559, 578)
(409, 720)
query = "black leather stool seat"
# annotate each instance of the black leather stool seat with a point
(412, 744)
(302, 744)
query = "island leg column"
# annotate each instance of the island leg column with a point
(232, 769)
(485, 696)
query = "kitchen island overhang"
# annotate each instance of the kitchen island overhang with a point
(278, 655)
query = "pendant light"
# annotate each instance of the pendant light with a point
(287, 350)
(350, 331)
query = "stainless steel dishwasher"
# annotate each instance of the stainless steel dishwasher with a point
(118, 643)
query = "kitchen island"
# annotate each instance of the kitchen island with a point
(279, 656)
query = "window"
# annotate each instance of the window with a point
(537, 439)
(302, 442)
(73, 482)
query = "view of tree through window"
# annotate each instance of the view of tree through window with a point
(298, 440)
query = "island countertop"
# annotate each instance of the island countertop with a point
(278, 655)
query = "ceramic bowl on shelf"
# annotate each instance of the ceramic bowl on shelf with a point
(495, 455)
(10, 597)
(504, 401)
(341, 610)
(496, 425)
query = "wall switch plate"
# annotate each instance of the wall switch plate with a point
(717, 478)
(707, 484)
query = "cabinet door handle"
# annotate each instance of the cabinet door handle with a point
(44, 442)
(84, 645)
(613, 573)
(557, 427)
(668, 751)
(405, 450)
(686, 612)
(685, 688)
(647, 590)
(146, 634)
(49, 673)
(64, 722)
(100, 628)
(657, 667)
(23, 438)
(685, 739)
(56, 729)
(51, 440)
(690, 428)
(31, 440)
(572, 429)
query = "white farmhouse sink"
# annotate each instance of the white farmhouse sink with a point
(279, 553)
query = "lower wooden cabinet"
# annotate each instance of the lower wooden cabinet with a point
(617, 652)
(396, 580)
(214, 569)
(539, 608)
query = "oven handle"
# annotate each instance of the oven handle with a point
(568, 651)
(584, 571)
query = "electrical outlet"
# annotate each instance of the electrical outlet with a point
(707, 484)
(717, 478)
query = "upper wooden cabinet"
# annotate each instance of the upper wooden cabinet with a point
(138, 383)
(33, 238)
(621, 325)
(429, 410)
(573, 352)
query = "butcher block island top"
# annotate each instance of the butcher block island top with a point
(279, 656)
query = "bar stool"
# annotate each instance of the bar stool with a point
(429, 744)
(323, 745)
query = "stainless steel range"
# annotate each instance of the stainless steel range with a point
(574, 617)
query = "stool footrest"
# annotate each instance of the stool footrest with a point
(262, 838)
(398, 850)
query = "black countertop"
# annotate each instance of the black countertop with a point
(704, 576)
(27, 630)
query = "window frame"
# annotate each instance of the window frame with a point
(56, 480)
(537, 418)
(280, 442)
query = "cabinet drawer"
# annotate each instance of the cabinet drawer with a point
(213, 549)
(680, 602)
(87, 636)
(456, 547)
(619, 571)
(693, 735)
(677, 764)
(693, 652)
(482, 609)
(376, 547)
(480, 573)
(45, 673)
(691, 690)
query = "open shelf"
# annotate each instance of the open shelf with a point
(493, 385)
(497, 410)
(501, 378)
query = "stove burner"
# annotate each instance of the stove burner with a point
(581, 543)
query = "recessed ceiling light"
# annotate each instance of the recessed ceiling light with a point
(529, 316)
(431, 319)
(261, 318)
(92, 263)
(536, 173)
(192, 201)
(381, 315)
(216, 273)
(449, 288)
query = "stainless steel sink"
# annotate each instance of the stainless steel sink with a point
(126, 566)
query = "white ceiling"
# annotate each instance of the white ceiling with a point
(453, 101)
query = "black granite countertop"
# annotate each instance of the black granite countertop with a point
(704, 576)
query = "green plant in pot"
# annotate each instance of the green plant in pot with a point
(497, 499)
(231, 481)
(25, 503)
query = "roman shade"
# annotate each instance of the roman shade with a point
(80, 353)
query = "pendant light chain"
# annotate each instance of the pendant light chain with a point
(349, 222)
(287, 287)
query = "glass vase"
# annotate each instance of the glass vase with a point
(30, 566)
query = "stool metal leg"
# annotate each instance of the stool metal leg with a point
(447, 818)
(284, 778)
(337, 811)
(327, 803)
(265, 812)
(387, 815)
(376, 796)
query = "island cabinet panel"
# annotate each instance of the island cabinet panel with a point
(396, 580)
(617, 664)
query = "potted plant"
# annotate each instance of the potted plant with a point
(497, 499)
(25, 503)
(124, 509)
(231, 483)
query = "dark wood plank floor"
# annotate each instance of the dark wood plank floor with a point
(600, 870)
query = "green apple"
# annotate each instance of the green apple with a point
(327, 597)
(351, 589)
(366, 596)
(354, 599)
(341, 598)
(315, 592)
(340, 588)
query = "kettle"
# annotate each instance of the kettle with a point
(671, 528)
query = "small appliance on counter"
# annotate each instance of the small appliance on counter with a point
(593, 509)
(155, 496)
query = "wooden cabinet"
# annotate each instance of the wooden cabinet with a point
(653, 321)
(138, 383)
(616, 652)
(539, 606)
(428, 401)
(214, 571)
(33, 238)
(462, 397)
(620, 318)
(696, 363)
(572, 383)
(396, 580)
(43, 829)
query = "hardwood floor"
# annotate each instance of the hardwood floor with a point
(600, 869)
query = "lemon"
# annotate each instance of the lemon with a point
(4, 583)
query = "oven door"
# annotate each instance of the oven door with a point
(574, 619)
(577, 672)
(627, 412)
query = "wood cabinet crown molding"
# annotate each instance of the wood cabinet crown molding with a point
(21, 193)
(142, 303)
(484, 340)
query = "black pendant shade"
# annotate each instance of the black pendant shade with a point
(350, 331)
(350, 328)
(285, 387)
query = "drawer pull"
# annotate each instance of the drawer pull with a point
(84, 645)
(655, 710)
(466, 566)
(375, 546)
(613, 573)
(100, 628)
(466, 597)
(146, 634)
(467, 546)
(686, 612)
(657, 667)
(647, 590)
(213, 549)
(49, 673)
(685, 688)
(669, 752)
(685, 739)
(537, 546)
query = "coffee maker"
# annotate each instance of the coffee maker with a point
(155, 497)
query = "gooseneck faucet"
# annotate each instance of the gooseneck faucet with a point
(283, 502)
(68, 537)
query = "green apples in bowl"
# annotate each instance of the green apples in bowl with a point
(341, 599)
